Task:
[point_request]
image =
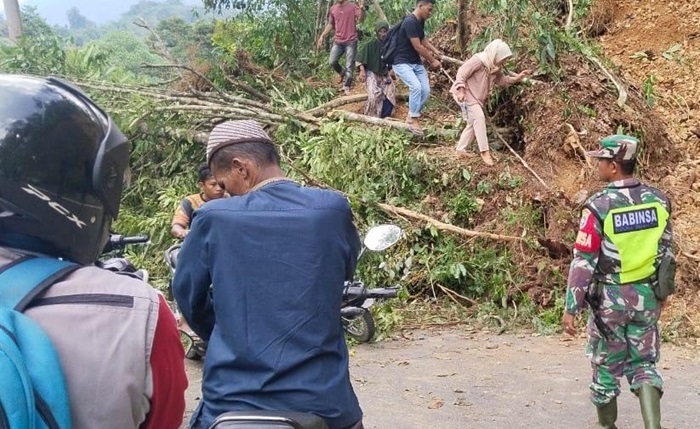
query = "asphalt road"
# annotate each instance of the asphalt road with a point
(463, 378)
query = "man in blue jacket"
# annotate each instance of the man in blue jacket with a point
(277, 255)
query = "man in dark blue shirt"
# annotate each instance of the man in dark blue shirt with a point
(277, 255)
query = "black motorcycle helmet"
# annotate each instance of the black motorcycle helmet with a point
(62, 167)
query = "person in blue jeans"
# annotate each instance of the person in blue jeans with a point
(411, 45)
(343, 18)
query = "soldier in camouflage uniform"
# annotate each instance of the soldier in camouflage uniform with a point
(624, 232)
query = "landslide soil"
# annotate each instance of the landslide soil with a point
(656, 46)
(551, 122)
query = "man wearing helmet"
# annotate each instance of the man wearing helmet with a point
(62, 164)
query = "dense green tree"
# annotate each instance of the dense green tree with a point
(183, 40)
(76, 20)
(127, 51)
(34, 25)
(154, 11)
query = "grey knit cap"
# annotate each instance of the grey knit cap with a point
(233, 132)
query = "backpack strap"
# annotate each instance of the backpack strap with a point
(187, 207)
(26, 278)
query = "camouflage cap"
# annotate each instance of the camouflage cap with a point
(619, 147)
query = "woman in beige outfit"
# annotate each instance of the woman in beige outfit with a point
(471, 88)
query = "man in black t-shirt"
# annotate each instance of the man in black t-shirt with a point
(411, 45)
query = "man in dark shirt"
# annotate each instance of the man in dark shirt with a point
(343, 18)
(277, 255)
(410, 47)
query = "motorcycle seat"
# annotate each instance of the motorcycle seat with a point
(268, 420)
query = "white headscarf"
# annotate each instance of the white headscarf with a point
(494, 52)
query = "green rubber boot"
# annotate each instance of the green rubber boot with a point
(607, 415)
(650, 401)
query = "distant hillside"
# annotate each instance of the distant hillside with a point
(99, 12)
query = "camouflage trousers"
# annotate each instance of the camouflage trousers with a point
(624, 340)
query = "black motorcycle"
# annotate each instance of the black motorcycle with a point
(357, 319)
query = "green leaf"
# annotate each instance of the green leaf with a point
(466, 175)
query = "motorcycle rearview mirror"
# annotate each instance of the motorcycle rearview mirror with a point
(187, 342)
(381, 237)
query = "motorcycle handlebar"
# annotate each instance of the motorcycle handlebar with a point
(121, 240)
(384, 292)
(351, 293)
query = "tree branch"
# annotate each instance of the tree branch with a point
(451, 60)
(387, 123)
(570, 16)
(588, 53)
(622, 92)
(249, 89)
(189, 69)
(406, 213)
(374, 4)
(445, 226)
(522, 161)
(175, 134)
(341, 101)
(336, 102)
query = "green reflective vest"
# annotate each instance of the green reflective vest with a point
(635, 231)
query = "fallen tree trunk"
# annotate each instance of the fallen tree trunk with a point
(209, 104)
(451, 60)
(400, 211)
(407, 213)
(520, 158)
(249, 90)
(390, 123)
(336, 102)
(590, 56)
(175, 134)
(342, 101)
